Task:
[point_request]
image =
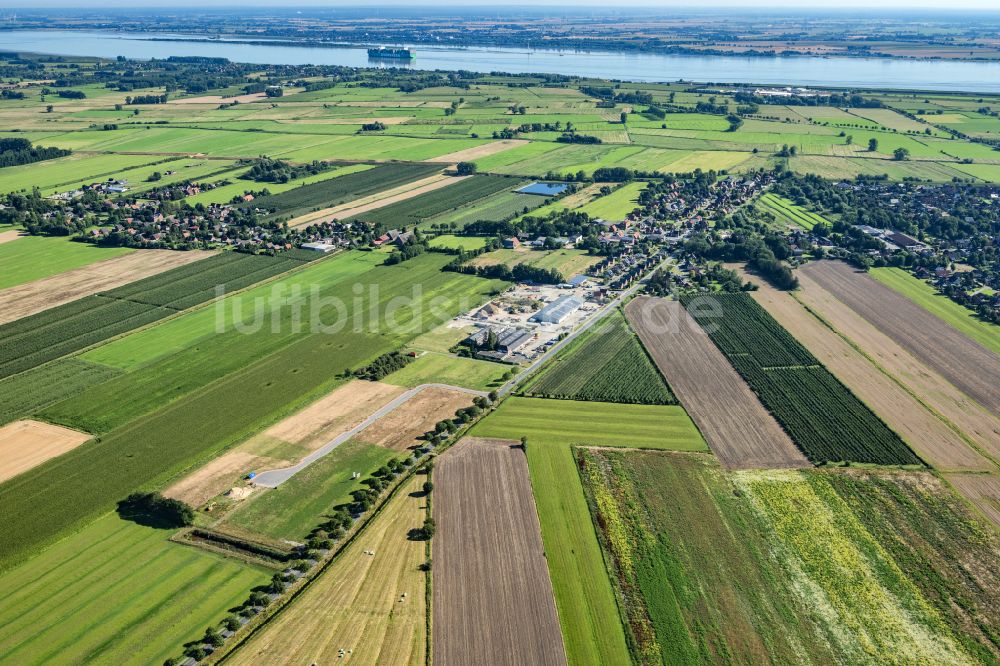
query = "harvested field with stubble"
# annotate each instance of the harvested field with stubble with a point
(983, 490)
(399, 429)
(27, 299)
(730, 417)
(478, 152)
(931, 437)
(358, 603)
(968, 365)
(930, 388)
(27, 444)
(493, 599)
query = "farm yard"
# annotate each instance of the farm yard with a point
(485, 514)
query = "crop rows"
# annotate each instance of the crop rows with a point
(791, 212)
(820, 414)
(338, 190)
(740, 326)
(609, 366)
(436, 202)
(24, 394)
(32, 341)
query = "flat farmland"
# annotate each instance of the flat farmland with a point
(35, 257)
(983, 490)
(792, 566)
(399, 429)
(974, 422)
(115, 593)
(28, 392)
(965, 363)
(493, 599)
(27, 444)
(737, 427)
(566, 262)
(923, 429)
(31, 297)
(372, 605)
(616, 205)
(440, 368)
(924, 295)
(162, 429)
(588, 610)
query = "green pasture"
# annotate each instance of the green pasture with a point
(34, 257)
(437, 368)
(588, 612)
(116, 593)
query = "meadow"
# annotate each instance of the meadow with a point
(789, 213)
(116, 593)
(588, 613)
(617, 205)
(436, 368)
(34, 257)
(294, 508)
(807, 567)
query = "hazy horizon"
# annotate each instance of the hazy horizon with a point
(820, 5)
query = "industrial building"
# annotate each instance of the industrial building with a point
(557, 310)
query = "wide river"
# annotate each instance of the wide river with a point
(941, 75)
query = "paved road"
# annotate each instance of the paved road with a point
(554, 349)
(273, 478)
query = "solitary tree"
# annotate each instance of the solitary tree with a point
(624, 117)
(872, 145)
(900, 154)
(466, 168)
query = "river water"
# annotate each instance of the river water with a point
(938, 75)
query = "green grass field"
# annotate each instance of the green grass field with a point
(295, 507)
(591, 624)
(458, 242)
(433, 368)
(790, 566)
(924, 295)
(616, 205)
(35, 257)
(116, 593)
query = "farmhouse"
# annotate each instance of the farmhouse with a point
(498, 342)
(557, 310)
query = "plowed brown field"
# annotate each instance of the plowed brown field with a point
(493, 601)
(736, 426)
(922, 429)
(963, 362)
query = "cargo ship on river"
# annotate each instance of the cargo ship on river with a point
(391, 52)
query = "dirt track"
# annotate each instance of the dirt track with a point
(9, 235)
(27, 444)
(27, 299)
(730, 417)
(934, 441)
(493, 600)
(966, 364)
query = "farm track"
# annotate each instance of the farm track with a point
(493, 600)
(730, 417)
(922, 429)
(968, 365)
(27, 299)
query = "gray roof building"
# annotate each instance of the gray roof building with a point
(557, 310)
